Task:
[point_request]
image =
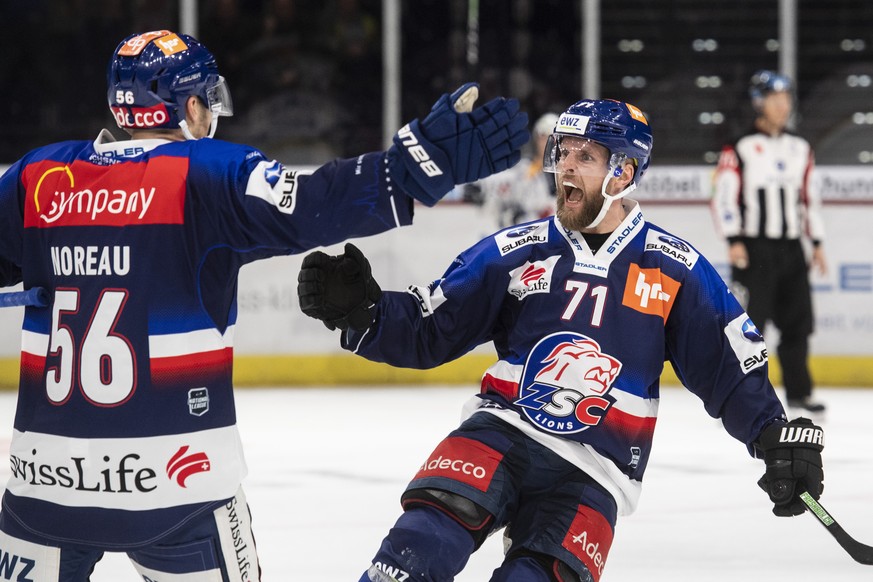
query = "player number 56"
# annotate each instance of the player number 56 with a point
(125, 97)
(104, 362)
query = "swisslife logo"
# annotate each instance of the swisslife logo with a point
(126, 473)
(184, 464)
(139, 473)
(650, 291)
(532, 278)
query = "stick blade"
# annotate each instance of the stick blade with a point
(861, 553)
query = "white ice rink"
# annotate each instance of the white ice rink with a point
(327, 466)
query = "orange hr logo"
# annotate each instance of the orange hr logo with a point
(650, 291)
(636, 113)
(171, 44)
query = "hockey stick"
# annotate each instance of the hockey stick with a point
(860, 553)
(36, 297)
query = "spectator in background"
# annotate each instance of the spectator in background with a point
(524, 192)
(765, 201)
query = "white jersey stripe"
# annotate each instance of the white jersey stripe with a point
(192, 342)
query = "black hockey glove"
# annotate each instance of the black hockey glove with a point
(338, 290)
(792, 455)
(456, 144)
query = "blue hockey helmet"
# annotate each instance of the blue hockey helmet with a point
(151, 75)
(620, 127)
(765, 82)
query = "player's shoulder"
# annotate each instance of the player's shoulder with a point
(59, 151)
(209, 147)
(510, 246)
(669, 251)
(217, 157)
(521, 239)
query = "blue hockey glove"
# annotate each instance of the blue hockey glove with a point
(792, 455)
(338, 290)
(456, 144)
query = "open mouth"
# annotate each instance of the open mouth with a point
(572, 194)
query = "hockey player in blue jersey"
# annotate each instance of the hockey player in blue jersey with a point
(583, 308)
(125, 435)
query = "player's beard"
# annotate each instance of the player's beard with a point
(578, 219)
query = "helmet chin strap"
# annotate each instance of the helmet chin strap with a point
(609, 198)
(183, 125)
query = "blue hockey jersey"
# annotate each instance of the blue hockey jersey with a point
(125, 425)
(582, 339)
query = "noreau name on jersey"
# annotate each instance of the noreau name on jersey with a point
(91, 260)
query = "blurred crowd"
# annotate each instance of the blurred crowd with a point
(306, 75)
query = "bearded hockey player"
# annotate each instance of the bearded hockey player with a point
(125, 435)
(583, 308)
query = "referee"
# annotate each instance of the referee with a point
(765, 202)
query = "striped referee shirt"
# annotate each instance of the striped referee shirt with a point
(764, 187)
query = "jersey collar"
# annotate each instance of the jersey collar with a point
(598, 264)
(106, 145)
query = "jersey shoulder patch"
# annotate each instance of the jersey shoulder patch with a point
(520, 236)
(671, 246)
(275, 184)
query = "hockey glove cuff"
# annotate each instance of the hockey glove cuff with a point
(456, 144)
(792, 455)
(338, 290)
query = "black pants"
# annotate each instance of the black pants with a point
(775, 287)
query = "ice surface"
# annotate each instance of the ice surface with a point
(327, 466)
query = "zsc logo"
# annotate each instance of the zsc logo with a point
(566, 382)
